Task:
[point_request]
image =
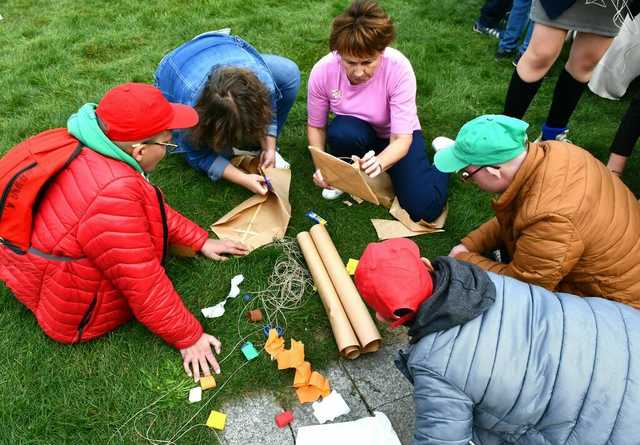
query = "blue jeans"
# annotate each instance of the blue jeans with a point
(492, 12)
(420, 187)
(286, 75)
(516, 25)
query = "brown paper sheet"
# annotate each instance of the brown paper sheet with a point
(405, 226)
(342, 331)
(342, 175)
(359, 316)
(260, 219)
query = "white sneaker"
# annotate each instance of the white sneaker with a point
(441, 142)
(331, 194)
(280, 162)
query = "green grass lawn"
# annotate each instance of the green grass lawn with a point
(55, 56)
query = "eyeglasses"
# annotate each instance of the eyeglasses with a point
(466, 176)
(167, 145)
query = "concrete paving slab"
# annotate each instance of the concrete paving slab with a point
(250, 420)
(340, 382)
(402, 414)
(377, 378)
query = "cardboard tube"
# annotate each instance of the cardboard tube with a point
(351, 300)
(346, 339)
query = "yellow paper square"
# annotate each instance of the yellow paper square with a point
(207, 382)
(216, 420)
(351, 266)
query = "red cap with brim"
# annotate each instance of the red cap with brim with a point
(136, 111)
(393, 280)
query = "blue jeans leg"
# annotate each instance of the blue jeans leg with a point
(518, 20)
(527, 38)
(348, 135)
(492, 12)
(420, 187)
(287, 78)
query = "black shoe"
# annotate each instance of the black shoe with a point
(503, 54)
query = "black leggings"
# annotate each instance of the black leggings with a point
(628, 131)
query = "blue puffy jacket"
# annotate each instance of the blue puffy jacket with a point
(537, 367)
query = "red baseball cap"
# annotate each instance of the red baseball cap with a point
(393, 280)
(135, 111)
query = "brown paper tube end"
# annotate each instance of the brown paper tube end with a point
(351, 352)
(372, 346)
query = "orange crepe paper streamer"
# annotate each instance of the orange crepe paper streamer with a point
(291, 358)
(274, 344)
(303, 374)
(310, 385)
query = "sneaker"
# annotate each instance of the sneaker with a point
(560, 137)
(441, 142)
(502, 54)
(280, 162)
(491, 32)
(331, 194)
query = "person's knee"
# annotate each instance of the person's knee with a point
(423, 208)
(583, 65)
(539, 58)
(340, 133)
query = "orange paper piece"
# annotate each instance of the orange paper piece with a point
(308, 394)
(318, 386)
(274, 345)
(303, 374)
(291, 358)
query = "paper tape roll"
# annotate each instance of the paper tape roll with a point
(346, 339)
(359, 316)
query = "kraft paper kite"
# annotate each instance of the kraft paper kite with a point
(342, 175)
(352, 325)
(379, 191)
(310, 385)
(405, 226)
(260, 219)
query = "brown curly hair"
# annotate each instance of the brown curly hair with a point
(361, 30)
(234, 109)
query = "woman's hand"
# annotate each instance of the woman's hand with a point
(370, 164)
(460, 248)
(319, 180)
(199, 358)
(267, 158)
(216, 248)
(254, 183)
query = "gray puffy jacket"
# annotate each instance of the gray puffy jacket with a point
(537, 367)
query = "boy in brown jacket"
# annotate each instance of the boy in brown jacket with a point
(565, 221)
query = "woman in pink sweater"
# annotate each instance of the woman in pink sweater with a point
(371, 90)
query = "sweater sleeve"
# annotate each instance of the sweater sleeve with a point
(545, 252)
(444, 414)
(114, 235)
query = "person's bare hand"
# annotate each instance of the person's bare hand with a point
(370, 164)
(460, 248)
(267, 158)
(198, 359)
(319, 180)
(255, 183)
(217, 248)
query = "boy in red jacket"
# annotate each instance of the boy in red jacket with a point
(101, 232)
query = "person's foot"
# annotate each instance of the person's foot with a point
(502, 54)
(441, 142)
(331, 194)
(554, 134)
(491, 32)
(280, 162)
